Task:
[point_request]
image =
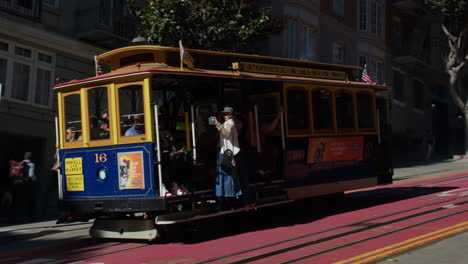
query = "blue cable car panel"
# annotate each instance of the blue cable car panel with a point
(121, 171)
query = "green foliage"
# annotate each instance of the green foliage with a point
(454, 13)
(230, 25)
(450, 8)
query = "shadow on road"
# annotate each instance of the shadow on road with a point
(300, 212)
(404, 165)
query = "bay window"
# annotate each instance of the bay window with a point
(26, 74)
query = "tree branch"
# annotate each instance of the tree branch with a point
(449, 35)
(457, 69)
(456, 98)
(451, 59)
(460, 38)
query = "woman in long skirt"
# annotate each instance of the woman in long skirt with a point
(227, 181)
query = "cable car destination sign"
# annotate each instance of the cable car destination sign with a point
(285, 70)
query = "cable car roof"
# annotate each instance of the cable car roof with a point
(157, 68)
(147, 59)
(162, 55)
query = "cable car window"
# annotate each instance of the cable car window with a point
(322, 109)
(365, 110)
(344, 109)
(72, 111)
(298, 115)
(268, 110)
(98, 113)
(132, 117)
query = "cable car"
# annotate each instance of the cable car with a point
(137, 151)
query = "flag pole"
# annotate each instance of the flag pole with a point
(96, 65)
(181, 55)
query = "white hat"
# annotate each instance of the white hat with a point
(228, 110)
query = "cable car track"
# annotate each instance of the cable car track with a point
(362, 222)
(369, 227)
(387, 193)
(313, 242)
(284, 250)
(370, 238)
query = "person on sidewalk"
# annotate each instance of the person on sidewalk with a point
(428, 143)
(23, 192)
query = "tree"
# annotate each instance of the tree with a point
(455, 27)
(228, 25)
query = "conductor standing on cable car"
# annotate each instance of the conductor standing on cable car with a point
(227, 185)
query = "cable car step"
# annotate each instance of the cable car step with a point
(124, 229)
(271, 196)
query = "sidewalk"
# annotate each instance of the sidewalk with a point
(26, 231)
(420, 169)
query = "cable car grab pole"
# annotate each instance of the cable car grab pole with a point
(259, 148)
(59, 175)
(158, 147)
(282, 130)
(193, 135)
(378, 125)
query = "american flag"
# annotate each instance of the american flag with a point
(99, 69)
(366, 77)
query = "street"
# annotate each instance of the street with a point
(418, 219)
(234, 132)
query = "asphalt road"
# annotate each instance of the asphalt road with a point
(452, 250)
(46, 242)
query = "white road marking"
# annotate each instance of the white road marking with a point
(460, 192)
(448, 206)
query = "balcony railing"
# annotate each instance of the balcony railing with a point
(409, 4)
(124, 27)
(27, 9)
(98, 24)
(408, 55)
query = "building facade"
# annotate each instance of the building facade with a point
(402, 46)
(41, 41)
(420, 85)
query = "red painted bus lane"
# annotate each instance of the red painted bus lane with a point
(365, 226)
(347, 242)
(378, 238)
(229, 249)
(407, 244)
(342, 237)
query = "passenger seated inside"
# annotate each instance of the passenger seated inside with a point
(137, 126)
(96, 132)
(104, 124)
(267, 159)
(174, 161)
(105, 114)
(72, 134)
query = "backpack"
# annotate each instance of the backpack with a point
(17, 170)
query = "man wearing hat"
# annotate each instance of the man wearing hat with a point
(227, 181)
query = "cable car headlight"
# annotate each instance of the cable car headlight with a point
(102, 174)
